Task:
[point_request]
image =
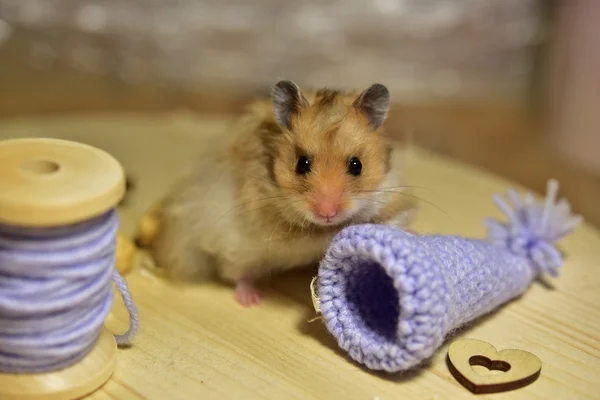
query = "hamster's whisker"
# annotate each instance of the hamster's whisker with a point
(412, 197)
(406, 187)
(266, 180)
(373, 200)
(398, 189)
(263, 207)
(305, 220)
(287, 203)
(299, 219)
(275, 229)
(287, 206)
(258, 200)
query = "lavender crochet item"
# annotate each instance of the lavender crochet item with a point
(390, 297)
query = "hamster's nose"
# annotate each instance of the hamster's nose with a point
(328, 215)
(327, 210)
(327, 204)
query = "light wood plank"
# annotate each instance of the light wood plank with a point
(195, 342)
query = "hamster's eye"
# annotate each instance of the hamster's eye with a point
(354, 166)
(303, 166)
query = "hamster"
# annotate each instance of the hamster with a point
(293, 171)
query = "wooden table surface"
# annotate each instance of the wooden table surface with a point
(197, 343)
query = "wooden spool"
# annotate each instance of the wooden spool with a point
(50, 182)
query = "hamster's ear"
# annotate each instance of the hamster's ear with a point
(287, 101)
(374, 103)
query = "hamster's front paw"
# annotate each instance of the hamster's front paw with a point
(246, 293)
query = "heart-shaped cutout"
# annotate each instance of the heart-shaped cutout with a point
(516, 368)
(488, 367)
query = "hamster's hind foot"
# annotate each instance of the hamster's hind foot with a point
(246, 293)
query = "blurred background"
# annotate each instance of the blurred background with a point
(511, 86)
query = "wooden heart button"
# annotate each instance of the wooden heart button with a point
(512, 369)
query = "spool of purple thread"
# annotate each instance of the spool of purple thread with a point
(390, 297)
(58, 241)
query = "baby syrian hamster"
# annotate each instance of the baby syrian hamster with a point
(291, 172)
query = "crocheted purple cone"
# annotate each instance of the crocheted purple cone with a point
(390, 297)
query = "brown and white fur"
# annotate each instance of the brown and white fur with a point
(248, 209)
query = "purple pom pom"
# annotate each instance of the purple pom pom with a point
(533, 228)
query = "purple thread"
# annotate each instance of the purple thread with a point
(390, 297)
(55, 293)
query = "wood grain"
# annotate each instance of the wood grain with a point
(196, 342)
